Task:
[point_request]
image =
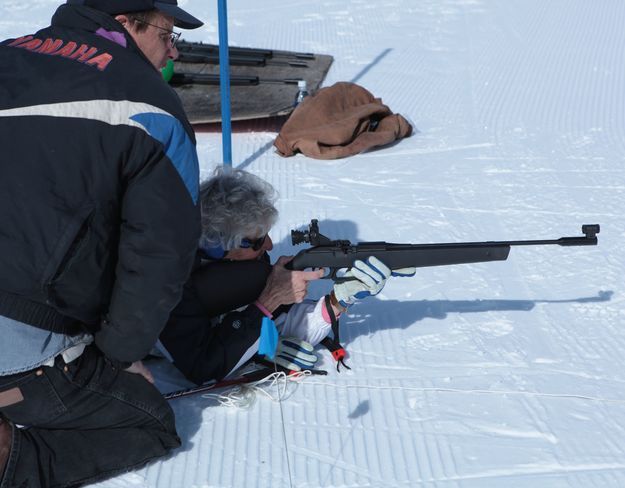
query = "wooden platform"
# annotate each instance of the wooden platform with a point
(269, 81)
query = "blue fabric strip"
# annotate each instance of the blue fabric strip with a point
(178, 146)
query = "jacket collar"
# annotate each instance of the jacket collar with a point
(79, 17)
(87, 19)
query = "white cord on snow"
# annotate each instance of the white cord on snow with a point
(280, 386)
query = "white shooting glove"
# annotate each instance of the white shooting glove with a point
(404, 272)
(295, 354)
(367, 278)
(371, 276)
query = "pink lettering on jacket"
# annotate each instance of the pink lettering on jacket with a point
(70, 50)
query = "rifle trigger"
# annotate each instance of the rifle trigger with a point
(343, 279)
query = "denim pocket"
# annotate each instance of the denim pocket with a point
(41, 403)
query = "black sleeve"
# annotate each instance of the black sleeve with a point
(227, 285)
(203, 350)
(202, 346)
(159, 234)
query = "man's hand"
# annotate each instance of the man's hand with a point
(138, 368)
(285, 287)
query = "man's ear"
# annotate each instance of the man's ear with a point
(123, 20)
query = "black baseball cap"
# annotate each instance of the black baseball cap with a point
(182, 19)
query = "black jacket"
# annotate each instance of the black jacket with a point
(206, 335)
(99, 218)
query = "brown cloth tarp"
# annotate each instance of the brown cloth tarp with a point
(339, 121)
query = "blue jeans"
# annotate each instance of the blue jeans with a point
(85, 421)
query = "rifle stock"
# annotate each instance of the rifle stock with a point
(340, 254)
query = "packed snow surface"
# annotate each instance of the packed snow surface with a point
(484, 375)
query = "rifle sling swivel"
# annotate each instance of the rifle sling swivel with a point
(333, 343)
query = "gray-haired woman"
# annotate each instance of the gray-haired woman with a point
(216, 326)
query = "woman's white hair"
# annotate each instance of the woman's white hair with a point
(235, 205)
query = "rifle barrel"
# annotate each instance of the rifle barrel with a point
(210, 79)
(563, 241)
(213, 58)
(235, 80)
(184, 46)
(256, 61)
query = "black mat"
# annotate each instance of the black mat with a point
(263, 82)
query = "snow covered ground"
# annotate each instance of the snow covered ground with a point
(506, 374)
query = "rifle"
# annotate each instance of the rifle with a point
(198, 47)
(340, 254)
(178, 79)
(210, 58)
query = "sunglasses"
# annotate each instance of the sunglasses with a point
(255, 244)
(173, 36)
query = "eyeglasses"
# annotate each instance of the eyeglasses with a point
(255, 244)
(173, 36)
